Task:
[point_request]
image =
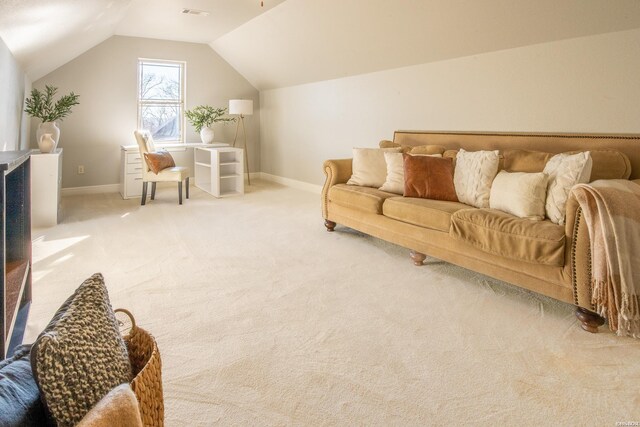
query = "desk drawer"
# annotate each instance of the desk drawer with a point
(134, 168)
(133, 157)
(133, 185)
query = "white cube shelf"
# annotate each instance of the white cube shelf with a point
(220, 171)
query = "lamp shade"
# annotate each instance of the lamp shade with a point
(243, 107)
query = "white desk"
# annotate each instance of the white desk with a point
(131, 164)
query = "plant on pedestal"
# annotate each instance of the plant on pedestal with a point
(203, 116)
(41, 106)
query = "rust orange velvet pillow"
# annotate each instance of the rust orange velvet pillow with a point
(429, 178)
(159, 160)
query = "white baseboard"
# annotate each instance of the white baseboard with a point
(293, 183)
(91, 189)
(114, 188)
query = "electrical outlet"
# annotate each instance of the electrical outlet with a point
(80, 169)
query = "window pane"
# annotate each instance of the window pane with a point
(160, 81)
(163, 121)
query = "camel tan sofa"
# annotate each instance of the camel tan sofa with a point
(541, 256)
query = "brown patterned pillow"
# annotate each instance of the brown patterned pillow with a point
(159, 160)
(80, 356)
(429, 177)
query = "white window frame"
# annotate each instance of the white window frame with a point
(180, 103)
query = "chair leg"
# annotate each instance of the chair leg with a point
(180, 192)
(187, 187)
(153, 191)
(144, 193)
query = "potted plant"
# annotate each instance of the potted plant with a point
(41, 106)
(203, 116)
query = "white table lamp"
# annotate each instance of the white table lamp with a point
(242, 107)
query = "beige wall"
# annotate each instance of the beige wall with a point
(13, 85)
(105, 77)
(587, 84)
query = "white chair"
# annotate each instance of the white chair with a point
(174, 174)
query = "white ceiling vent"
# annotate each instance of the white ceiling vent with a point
(195, 12)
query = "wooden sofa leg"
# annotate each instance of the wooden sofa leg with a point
(417, 257)
(590, 321)
(329, 224)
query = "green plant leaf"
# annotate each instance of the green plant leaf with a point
(204, 116)
(41, 104)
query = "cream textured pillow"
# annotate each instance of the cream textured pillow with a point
(369, 167)
(519, 193)
(565, 171)
(395, 172)
(473, 175)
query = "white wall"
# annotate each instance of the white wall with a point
(587, 84)
(13, 84)
(105, 77)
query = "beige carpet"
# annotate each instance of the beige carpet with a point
(264, 318)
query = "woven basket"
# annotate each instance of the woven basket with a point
(147, 372)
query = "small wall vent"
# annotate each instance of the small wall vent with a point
(195, 12)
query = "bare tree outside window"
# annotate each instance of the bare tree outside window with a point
(161, 99)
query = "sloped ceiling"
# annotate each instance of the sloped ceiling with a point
(304, 41)
(45, 34)
(298, 41)
(159, 19)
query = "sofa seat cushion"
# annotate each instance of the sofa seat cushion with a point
(365, 199)
(433, 214)
(505, 235)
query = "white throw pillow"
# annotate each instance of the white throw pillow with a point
(369, 167)
(473, 176)
(565, 171)
(395, 172)
(519, 193)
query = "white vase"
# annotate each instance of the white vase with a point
(46, 144)
(51, 128)
(206, 135)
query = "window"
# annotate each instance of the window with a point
(161, 99)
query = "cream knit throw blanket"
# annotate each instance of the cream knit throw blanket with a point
(611, 209)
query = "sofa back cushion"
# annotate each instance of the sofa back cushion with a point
(626, 144)
(419, 149)
(525, 161)
(607, 163)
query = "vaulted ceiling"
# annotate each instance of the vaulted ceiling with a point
(303, 41)
(299, 41)
(45, 34)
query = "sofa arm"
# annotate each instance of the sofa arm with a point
(578, 254)
(337, 172)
